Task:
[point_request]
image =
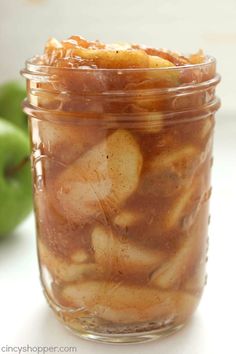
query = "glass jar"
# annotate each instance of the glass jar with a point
(121, 161)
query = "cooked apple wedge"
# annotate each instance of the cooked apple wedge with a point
(179, 208)
(64, 270)
(101, 180)
(64, 142)
(169, 172)
(120, 303)
(194, 284)
(158, 62)
(123, 257)
(174, 271)
(127, 218)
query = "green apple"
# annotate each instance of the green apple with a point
(12, 94)
(15, 177)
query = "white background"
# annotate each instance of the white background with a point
(184, 25)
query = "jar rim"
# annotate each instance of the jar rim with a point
(32, 66)
(37, 74)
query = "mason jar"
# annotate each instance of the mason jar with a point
(121, 163)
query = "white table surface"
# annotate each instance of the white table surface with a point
(25, 318)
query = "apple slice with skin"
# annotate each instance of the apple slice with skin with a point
(123, 258)
(15, 178)
(101, 180)
(121, 303)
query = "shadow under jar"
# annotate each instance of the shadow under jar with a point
(121, 161)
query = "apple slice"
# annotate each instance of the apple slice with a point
(63, 141)
(183, 162)
(63, 238)
(105, 58)
(197, 58)
(179, 208)
(169, 172)
(150, 123)
(157, 62)
(80, 256)
(120, 303)
(123, 257)
(127, 218)
(62, 269)
(194, 284)
(101, 180)
(174, 271)
(207, 127)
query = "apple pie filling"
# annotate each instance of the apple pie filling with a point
(121, 157)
